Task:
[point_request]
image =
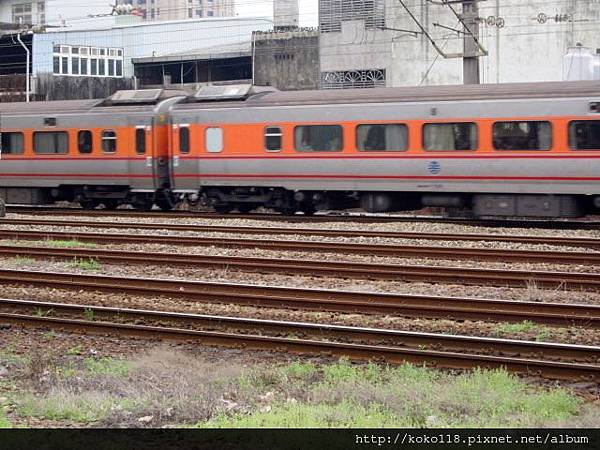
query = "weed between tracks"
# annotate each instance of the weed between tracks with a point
(167, 387)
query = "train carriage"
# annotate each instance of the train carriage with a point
(95, 152)
(498, 150)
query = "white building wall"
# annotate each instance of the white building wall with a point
(522, 50)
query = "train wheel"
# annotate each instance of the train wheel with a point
(223, 209)
(245, 209)
(110, 204)
(165, 203)
(89, 203)
(308, 210)
(142, 203)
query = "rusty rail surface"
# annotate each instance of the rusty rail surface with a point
(319, 217)
(318, 299)
(413, 251)
(587, 242)
(399, 346)
(339, 269)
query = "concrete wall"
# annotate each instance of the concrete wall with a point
(287, 60)
(522, 50)
(49, 87)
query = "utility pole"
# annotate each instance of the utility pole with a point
(471, 51)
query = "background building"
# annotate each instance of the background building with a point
(183, 9)
(368, 43)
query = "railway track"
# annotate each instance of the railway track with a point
(351, 270)
(401, 251)
(532, 358)
(245, 230)
(325, 217)
(422, 306)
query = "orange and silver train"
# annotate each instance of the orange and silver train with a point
(519, 150)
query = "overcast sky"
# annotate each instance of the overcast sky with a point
(308, 10)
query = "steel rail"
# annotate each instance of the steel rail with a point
(245, 230)
(413, 251)
(318, 299)
(327, 217)
(504, 347)
(351, 270)
(356, 352)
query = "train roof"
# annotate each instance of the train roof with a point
(121, 102)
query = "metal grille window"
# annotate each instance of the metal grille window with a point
(140, 141)
(273, 139)
(50, 142)
(319, 138)
(450, 136)
(334, 12)
(384, 137)
(584, 135)
(11, 143)
(84, 141)
(522, 136)
(350, 79)
(109, 141)
(184, 140)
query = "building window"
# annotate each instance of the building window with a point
(318, 138)
(450, 136)
(11, 143)
(273, 139)
(384, 137)
(214, 140)
(86, 61)
(522, 135)
(184, 140)
(584, 135)
(21, 13)
(84, 141)
(50, 142)
(109, 141)
(350, 79)
(140, 141)
(41, 13)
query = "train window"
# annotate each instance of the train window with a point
(50, 142)
(184, 140)
(522, 135)
(84, 141)
(450, 136)
(109, 141)
(318, 138)
(382, 137)
(273, 139)
(214, 140)
(11, 143)
(584, 135)
(140, 141)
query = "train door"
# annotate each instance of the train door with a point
(183, 160)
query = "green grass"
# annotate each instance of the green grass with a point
(347, 395)
(106, 366)
(90, 264)
(22, 260)
(70, 244)
(4, 422)
(542, 333)
(84, 408)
